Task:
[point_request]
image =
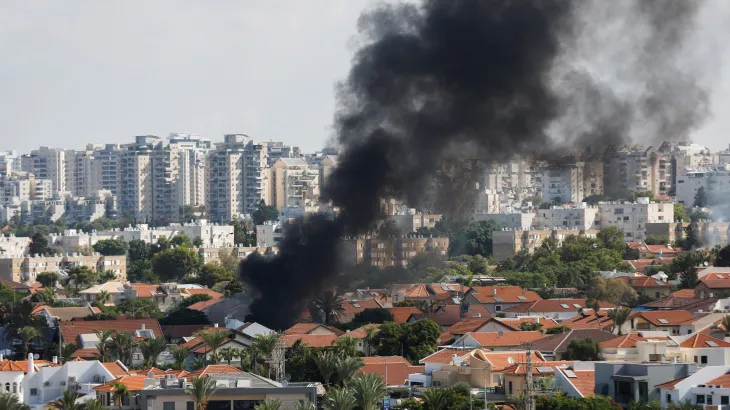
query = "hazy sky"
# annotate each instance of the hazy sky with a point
(80, 71)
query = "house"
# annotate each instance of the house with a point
(709, 386)
(427, 292)
(311, 340)
(364, 345)
(462, 328)
(403, 314)
(353, 307)
(239, 339)
(685, 293)
(55, 315)
(644, 346)
(653, 251)
(82, 334)
(312, 329)
(713, 285)
(640, 265)
(13, 372)
(496, 341)
(219, 310)
(16, 286)
(676, 322)
(577, 380)
(516, 324)
(558, 309)
(626, 382)
(175, 334)
(113, 288)
(186, 292)
(691, 304)
(514, 376)
(588, 319)
(647, 286)
(492, 325)
(703, 350)
(553, 347)
(448, 315)
(236, 390)
(499, 298)
(394, 370)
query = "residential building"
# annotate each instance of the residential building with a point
(55, 315)
(647, 286)
(9, 162)
(713, 285)
(589, 319)
(106, 169)
(511, 220)
(71, 209)
(294, 183)
(47, 163)
(515, 179)
(393, 370)
(496, 341)
(82, 334)
(508, 242)
(500, 298)
(14, 245)
(643, 346)
(714, 179)
(577, 380)
(638, 168)
(563, 182)
(558, 309)
(626, 382)
(238, 178)
(384, 252)
(676, 322)
(412, 222)
(326, 166)
(13, 372)
(236, 390)
(709, 386)
(487, 202)
(269, 234)
(214, 255)
(553, 347)
(447, 315)
(24, 268)
(709, 232)
(632, 217)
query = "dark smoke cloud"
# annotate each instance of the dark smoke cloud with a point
(436, 86)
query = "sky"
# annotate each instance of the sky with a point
(90, 71)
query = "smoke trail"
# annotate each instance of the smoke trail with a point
(449, 81)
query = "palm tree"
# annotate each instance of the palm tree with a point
(262, 347)
(123, 342)
(27, 334)
(368, 388)
(346, 368)
(151, 349)
(370, 332)
(119, 393)
(180, 354)
(724, 325)
(103, 297)
(435, 399)
(198, 363)
(595, 305)
(67, 401)
(67, 350)
(340, 399)
(213, 338)
(269, 404)
(346, 345)
(304, 405)
(200, 390)
(619, 317)
(104, 344)
(9, 401)
(94, 405)
(330, 304)
(245, 356)
(228, 354)
(326, 364)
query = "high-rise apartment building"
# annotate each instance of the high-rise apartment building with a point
(136, 197)
(9, 162)
(515, 179)
(715, 179)
(563, 182)
(47, 163)
(106, 169)
(294, 183)
(632, 217)
(637, 168)
(238, 177)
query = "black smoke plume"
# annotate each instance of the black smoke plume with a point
(440, 85)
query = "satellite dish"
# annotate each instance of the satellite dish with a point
(36, 356)
(510, 360)
(500, 333)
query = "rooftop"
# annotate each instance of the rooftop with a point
(395, 368)
(555, 305)
(508, 339)
(503, 294)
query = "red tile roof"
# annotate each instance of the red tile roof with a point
(722, 381)
(417, 291)
(516, 323)
(640, 264)
(509, 339)
(200, 306)
(115, 369)
(449, 315)
(629, 340)
(307, 328)
(352, 308)
(462, 328)
(71, 330)
(587, 320)
(396, 368)
(212, 369)
(506, 294)
(555, 305)
(145, 290)
(684, 294)
(310, 340)
(401, 314)
(443, 356)
(213, 294)
(91, 353)
(702, 340)
(665, 317)
(22, 365)
(504, 360)
(716, 280)
(671, 384)
(361, 332)
(521, 369)
(584, 381)
(643, 282)
(133, 383)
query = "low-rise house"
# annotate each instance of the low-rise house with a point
(313, 329)
(54, 315)
(403, 314)
(641, 265)
(703, 350)
(82, 334)
(460, 329)
(676, 322)
(176, 334)
(313, 340)
(114, 289)
(428, 292)
(647, 286)
(496, 341)
(653, 251)
(514, 376)
(500, 298)
(558, 309)
(353, 307)
(553, 347)
(218, 310)
(644, 346)
(626, 382)
(691, 304)
(449, 315)
(588, 319)
(394, 370)
(518, 323)
(16, 286)
(493, 325)
(577, 380)
(713, 285)
(236, 390)
(709, 386)
(12, 373)
(364, 342)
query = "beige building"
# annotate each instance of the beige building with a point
(508, 242)
(25, 269)
(328, 164)
(390, 251)
(212, 255)
(632, 217)
(638, 168)
(711, 233)
(47, 163)
(294, 183)
(412, 222)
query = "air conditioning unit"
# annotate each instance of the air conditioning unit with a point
(63, 383)
(47, 384)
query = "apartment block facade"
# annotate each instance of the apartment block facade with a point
(632, 217)
(21, 269)
(294, 183)
(390, 251)
(638, 168)
(508, 242)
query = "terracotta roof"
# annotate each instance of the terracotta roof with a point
(145, 290)
(653, 249)
(508, 339)
(516, 323)
(504, 360)
(91, 353)
(200, 306)
(702, 340)
(417, 291)
(520, 369)
(205, 348)
(177, 331)
(401, 314)
(193, 343)
(640, 265)
(587, 320)
(306, 328)
(671, 384)
(213, 369)
(722, 381)
(213, 294)
(396, 368)
(665, 317)
(443, 356)
(438, 288)
(115, 369)
(672, 302)
(449, 315)
(716, 280)
(462, 328)
(559, 342)
(584, 381)
(133, 383)
(629, 340)
(15, 285)
(505, 294)
(22, 365)
(353, 307)
(684, 293)
(310, 340)
(555, 305)
(361, 332)
(643, 282)
(71, 330)
(67, 313)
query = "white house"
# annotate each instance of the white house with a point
(708, 386)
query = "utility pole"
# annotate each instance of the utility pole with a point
(529, 397)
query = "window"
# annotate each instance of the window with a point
(709, 400)
(703, 360)
(190, 406)
(695, 359)
(498, 308)
(168, 405)
(15, 387)
(33, 392)
(7, 387)
(700, 399)
(509, 390)
(724, 400)
(669, 398)
(657, 295)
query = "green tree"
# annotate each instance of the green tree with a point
(372, 315)
(119, 393)
(47, 279)
(94, 405)
(27, 334)
(389, 339)
(9, 401)
(151, 348)
(213, 338)
(174, 264)
(139, 307)
(262, 347)
(233, 287)
(139, 250)
(345, 369)
(269, 404)
(198, 242)
(264, 213)
(228, 354)
(436, 399)
(680, 213)
(200, 391)
(346, 345)
(110, 247)
(180, 354)
(82, 277)
(612, 238)
(340, 399)
(560, 401)
(700, 200)
(369, 389)
(67, 401)
(211, 273)
(141, 271)
(582, 349)
(105, 343)
(193, 299)
(181, 239)
(723, 257)
(38, 245)
(304, 405)
(619, 316)
(530, 326)
(326, 364)
(185, 316)
(330, 304)
(123, 342)
(420, 339)
(656, 240)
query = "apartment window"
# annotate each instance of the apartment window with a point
(703, 360)
(190, 406)
(709, 400)
(657, 294)
(168, 405)
(33, 392)
(725, 400)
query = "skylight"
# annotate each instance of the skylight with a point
(711, 343)
(521, 297)
(498, 299)
(663, 321)
(575, 305)
(357, 305)
(571, 374)
(545, 369)
(564, 306)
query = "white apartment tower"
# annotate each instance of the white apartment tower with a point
(632, 217)
(238, 177)
(106, 169)
(294, 183)
(636, 168)
(715, 179)
(47, 163)
(564, 182)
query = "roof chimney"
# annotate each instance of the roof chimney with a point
(31, 366)
(55, 359)
(215, 324)
(143, 326)
(495, 291)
